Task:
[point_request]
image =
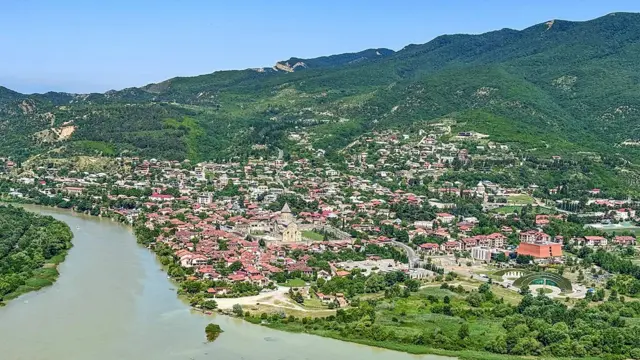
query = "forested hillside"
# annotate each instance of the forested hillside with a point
(30, 247)
(558, 87)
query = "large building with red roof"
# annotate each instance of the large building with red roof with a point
(540, 251)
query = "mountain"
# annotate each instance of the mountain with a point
(558, 87)
(333, 61)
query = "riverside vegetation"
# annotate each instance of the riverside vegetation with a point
(392, 311)
(31, 246)
(212, 331)
(559, 96)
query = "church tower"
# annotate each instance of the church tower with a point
(285, 214)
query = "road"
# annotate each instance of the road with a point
(411, 254)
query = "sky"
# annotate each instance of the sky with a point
(94, 46)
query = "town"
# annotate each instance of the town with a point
(297, 237)
(244, 228)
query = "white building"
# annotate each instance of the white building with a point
(480, 253)
(205, 199)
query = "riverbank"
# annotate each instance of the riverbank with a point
(139, 314)
(42, 278)
(26, 201)
(389, 345)
(51, 252)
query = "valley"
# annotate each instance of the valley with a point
(474, 197)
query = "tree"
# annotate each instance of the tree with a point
(212, 331)
(209, 304)
(463, 331)
(501, 257)
(412, 285)
(237, 310)
(524, 259)
(235, 266)
(192, 286)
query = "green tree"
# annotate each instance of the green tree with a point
(463, 331)
(237, 310)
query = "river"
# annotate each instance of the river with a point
(112, 301)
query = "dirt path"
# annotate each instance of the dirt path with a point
(278, 298)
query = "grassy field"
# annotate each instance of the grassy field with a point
(507, 209)
(294, 283)
(509, 296)
(511, 209)
(544, 290)
(271, 309)
(312, 235)
(411, 316)
(314, 303)
(618, 231)
(520, 199)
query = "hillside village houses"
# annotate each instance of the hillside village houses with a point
(258, 212)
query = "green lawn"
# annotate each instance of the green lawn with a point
(507, 209)
(520, 199)
(294, 283)
(618, 231)
(511, 209)
(407, 317)
(544, 290)
(314, 303)
(312, 235)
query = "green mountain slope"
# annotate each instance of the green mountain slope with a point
(558, 87)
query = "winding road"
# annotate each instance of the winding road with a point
(411, 254)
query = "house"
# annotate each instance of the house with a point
(423, 224)
(325, 299)
(429, 248)
(624, 240)
(542, 219)
(496, 240)
(451, 246)
(341, 300)
(205, 199)
(533, 237)
(624, 214)
(161, 197)
(73, 190)
(217, 291)
(594, 241)
(445, 218)
(324, 275)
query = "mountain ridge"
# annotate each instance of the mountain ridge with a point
(361, 53)
(556, 80)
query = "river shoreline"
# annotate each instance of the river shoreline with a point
(48, 274)
(397, 348)
(414, 350)
(52, 280)
(220, 316)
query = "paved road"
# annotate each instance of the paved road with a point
(411, 254)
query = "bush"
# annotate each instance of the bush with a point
(237, 310)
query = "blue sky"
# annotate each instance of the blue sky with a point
(85, 46)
